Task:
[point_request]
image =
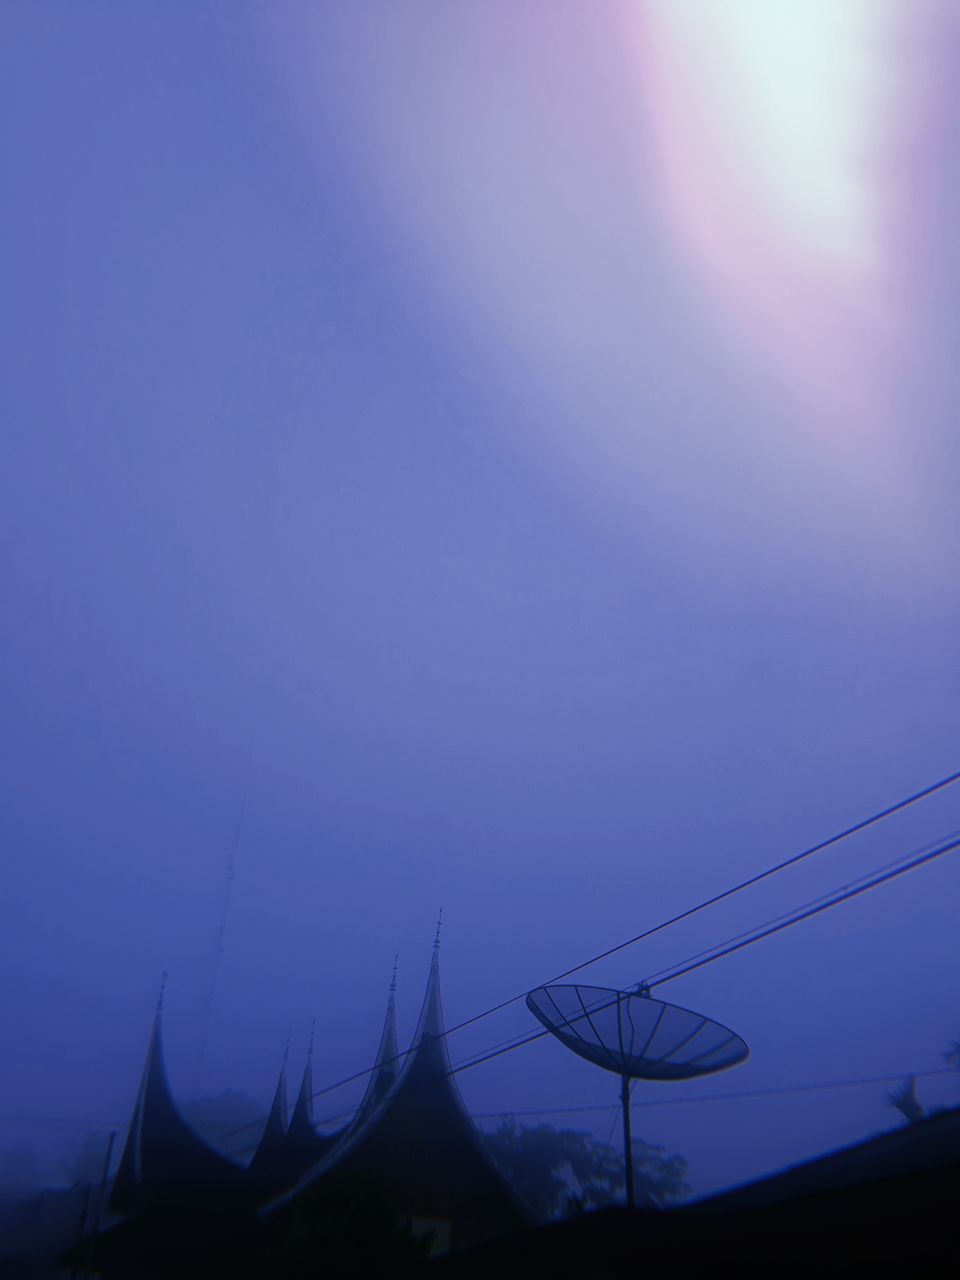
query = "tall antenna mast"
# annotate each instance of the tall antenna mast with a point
(221, 935)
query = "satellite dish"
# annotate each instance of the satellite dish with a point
(634, 1035)
(637, 1037)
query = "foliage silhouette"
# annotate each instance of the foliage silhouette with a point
(906, 1102)
(559, 1171)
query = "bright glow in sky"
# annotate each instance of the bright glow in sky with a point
(769, 118)
(427, 435)
(606, 203)
(795, 99)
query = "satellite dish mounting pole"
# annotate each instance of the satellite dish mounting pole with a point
(627, 1139)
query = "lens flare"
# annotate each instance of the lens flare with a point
(769, 119)
(682, 234)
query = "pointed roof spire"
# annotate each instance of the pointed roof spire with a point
(302, 1145)
(420, 1142)
(303, 1107)
(386, 1064)
(436, 940)
(430, 1024)
(163, 1159)
(266, 1158)
(278, 1109)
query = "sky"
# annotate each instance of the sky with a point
(493, 458)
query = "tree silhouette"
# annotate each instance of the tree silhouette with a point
(906, 1102)
(559, 1170)
(952, 1054)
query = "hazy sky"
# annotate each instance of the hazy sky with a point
(501, 457)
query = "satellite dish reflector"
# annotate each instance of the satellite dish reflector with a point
(634, 1035)
(637, 1037)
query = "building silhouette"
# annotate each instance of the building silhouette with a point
(411, 1157)
(414, 1138)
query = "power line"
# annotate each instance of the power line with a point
(842, 896)
(818, 1086)
(775, 1090)
(696, 962)
(814, 910)
(656, 978)
(864, 884)
(504, 1046)
(863, 824)
(854, 829)
(737, 944)
(744, 1095)
(857, 827)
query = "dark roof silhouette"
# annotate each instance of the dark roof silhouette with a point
(886, 1206)
(932, 1143)
(266, 1162)
(411, 1149)
(302, 1145)
(163, 1160)
(386, 1065)
(420, 1144)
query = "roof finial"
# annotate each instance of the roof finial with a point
(163, 987)
(436, 940)
(313, 1027)
(393, 980)
(286, 1049)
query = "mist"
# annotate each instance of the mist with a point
(399, 515)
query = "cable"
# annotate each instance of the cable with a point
(862, 825)
(806, 914)
(812, 1087)
(657, 977)
(495, 1051)
(817, 1086)
(734, 945)
(862, 885)
(856, 827)
(738, 942)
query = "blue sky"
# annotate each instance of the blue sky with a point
(380, 464)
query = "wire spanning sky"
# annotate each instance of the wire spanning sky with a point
(508, 452)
